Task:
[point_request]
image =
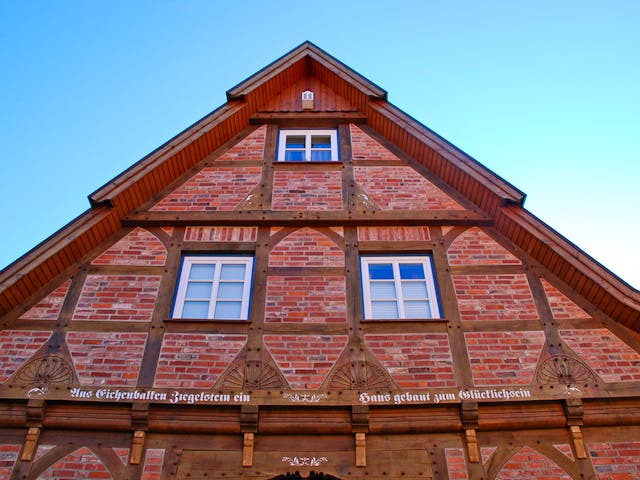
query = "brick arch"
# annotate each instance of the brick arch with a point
(529, 463)
(81, 460)
(306, 247)
(474, 246)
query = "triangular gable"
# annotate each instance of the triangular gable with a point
(325, 99)
(118, 200)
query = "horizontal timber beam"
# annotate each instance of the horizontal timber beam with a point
(315, 218)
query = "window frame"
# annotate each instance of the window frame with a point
(307, 133)
(432, 292)
(218, 260)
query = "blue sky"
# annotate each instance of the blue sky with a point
(545, 93)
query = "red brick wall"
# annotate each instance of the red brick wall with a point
(17, 347)
(79, 465)
(529, 464)
(309, 190)
(153, 464)
(195, 360)
(213, 188)
(8, 457)
(494, 297)
(306, 247)
(606, 354)
(220, 234)
(616, 460)
(561, 306)
(475, 247)
(305, 360)
(106, 358)
(308, 299)
(504, 358)
(565, 449)
(363, 147)
(118, 297)
(415, 360)
(251, 148)
(402, 188)
(456, 464)
(139, 247)
(49, 307)
(400, 234)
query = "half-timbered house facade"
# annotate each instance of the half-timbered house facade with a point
(308, 283)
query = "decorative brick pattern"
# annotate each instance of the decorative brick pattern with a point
(220, 234)
(504, 358)
(153, 464)
(456, 464)
(308, 190)
(565, 449)
(394, 234)
(123, 454)
(306, 247)
(139, 247)
(118, 297)
(494, 297)
(249, 148)
(106, 358)
(616, 461)
(475, 247)
(486, 452)
(82, 464)
(605, 353)
(305, 360)
(364, 147)
(195, 360)
(402, 188)
(307, 299)
(16, 347)
(561, 306)
(213, 188)
(49, 307)
(8, 457)
(529, 464)
(415, 360)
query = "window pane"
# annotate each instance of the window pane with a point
(417, 310)
(201, 271)
(232, 272)
(294, 156)
(195, 309)
(414, 290)
(383, 290)
(198, 290)
(230, 290)
(295, 141)
(228, 310)
(320, 141)
(411, 270)
(380, 271)
(384, 309)
(320, 155)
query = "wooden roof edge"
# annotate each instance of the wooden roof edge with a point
(105, 194)
(51, 246)
(624, 292)
(491, 180)
(305, 49)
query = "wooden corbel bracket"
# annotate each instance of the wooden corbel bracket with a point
(249, 415)
(361, 449)
(469, 415)
(35, 415)
(574, 413)
(360, 427)
(139, 422)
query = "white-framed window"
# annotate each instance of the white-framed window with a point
(398, 287)
(308, 146)
(214, 287)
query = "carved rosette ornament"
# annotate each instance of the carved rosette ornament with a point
(44, 371)
(360, 375)
(564, 370)
(253, 375)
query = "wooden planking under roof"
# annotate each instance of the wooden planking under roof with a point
(496, 197)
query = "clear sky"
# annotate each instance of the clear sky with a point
(543, 92)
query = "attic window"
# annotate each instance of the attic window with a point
(308, 146)
(307, 100)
